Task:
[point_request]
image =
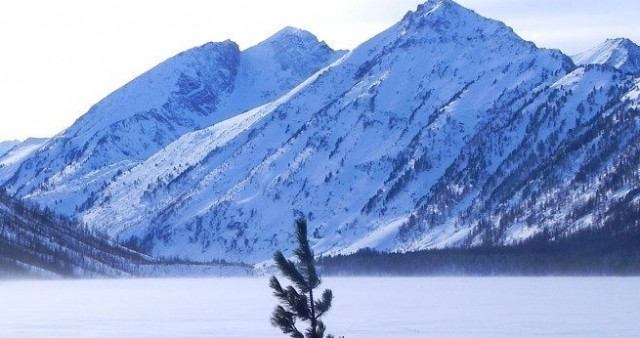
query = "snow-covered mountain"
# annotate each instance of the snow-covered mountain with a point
(192, 90)
(447, 129)
(563, 162)
(355, 149)
(5, 146)
(12, 157)
(619, 53)
(37, 243)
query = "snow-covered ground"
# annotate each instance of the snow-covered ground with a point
(363, 307)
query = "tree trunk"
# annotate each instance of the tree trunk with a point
(313, 315)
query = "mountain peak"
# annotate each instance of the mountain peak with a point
(621, 41)
(294, 49)
(289, 31)
(292, 36)
(221, 47)
(220, 44)
(432, 5)
(294, 40)
(446, 20)
(620, 53)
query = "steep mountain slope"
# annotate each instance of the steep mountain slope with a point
(10, 161)
(188, 92)
(562, 163)
(5, 146)
(446, 130)
(35, 242)
(356, 149)
(622, 54)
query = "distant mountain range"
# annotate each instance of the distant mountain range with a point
(446, 130)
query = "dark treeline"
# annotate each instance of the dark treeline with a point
(609, 250)
(36, 242)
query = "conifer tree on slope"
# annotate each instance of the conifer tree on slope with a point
(298, 302)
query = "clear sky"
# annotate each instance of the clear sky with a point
(60, 57)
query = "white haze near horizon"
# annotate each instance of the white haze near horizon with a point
(61, 57)
(363, 308)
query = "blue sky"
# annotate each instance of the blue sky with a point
(60, 57)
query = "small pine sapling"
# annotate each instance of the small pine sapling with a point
(298, 303)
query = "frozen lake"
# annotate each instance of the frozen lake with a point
(363, 308)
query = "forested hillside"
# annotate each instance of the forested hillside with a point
(38, 243)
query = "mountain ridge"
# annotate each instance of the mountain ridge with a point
(192, 90)
(445, 130)
(352, 84)
(620, 53)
